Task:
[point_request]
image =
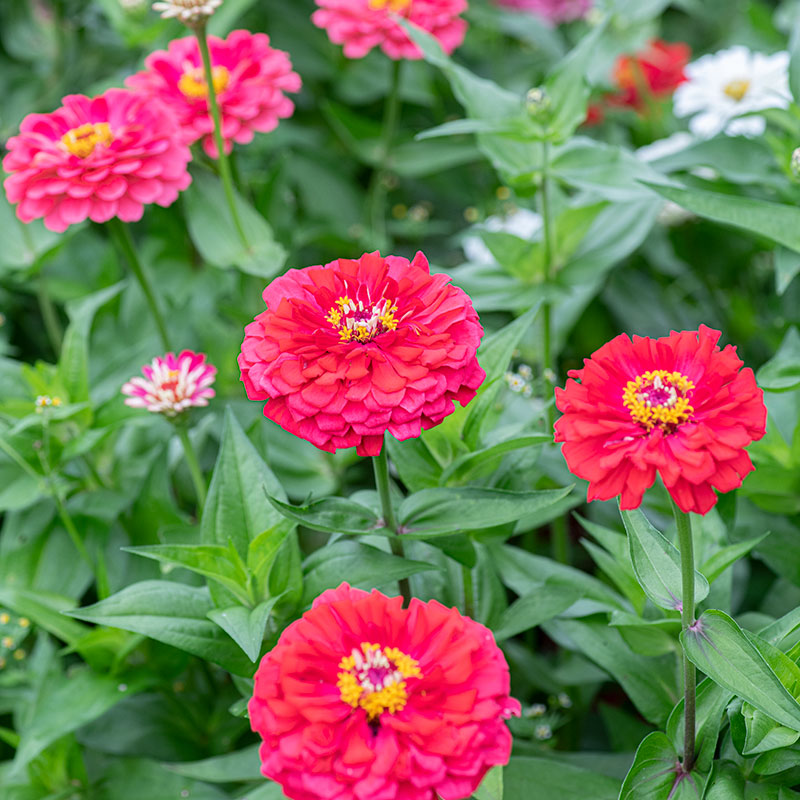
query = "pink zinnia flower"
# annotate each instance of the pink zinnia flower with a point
(172, 384)
(250, 79)
(95, 158)
(551, 10)
(363, 698)
(350, 350)
(678, 405)
(360, 25)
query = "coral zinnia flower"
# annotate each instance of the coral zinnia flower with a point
(172, 384)
(250, 79)
(551, 10)
(657, 70)
(350, 350)
(677, 405)
(363, 698)
(360, 25)
(99, 158)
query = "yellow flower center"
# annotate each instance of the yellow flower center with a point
(396, 6)
(659, 398)
(193, 82)
(357, 322)
(374, 678)
(82, 141)
(736, 90)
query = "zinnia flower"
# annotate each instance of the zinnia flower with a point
(552, 10)
(362, 698)
(658, 71)
(350, 350)
(172, 384)
(724, 86)
(677, 405)
(95, 158)
(250, 79)
(360, 25)
(188, 11)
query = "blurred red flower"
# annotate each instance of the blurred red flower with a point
(363, 698)
(656, 71)
(249, 76)
(350, 350)
(678, 405)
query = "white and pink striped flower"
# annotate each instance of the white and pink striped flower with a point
(172, 384)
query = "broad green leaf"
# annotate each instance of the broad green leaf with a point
(657, 563)
(543, 603)
(237, 507)
(654, 774)
(720, 649)
(140, 779)
(332, 515)
(782, 372)
(361, 565)
(775, 221)
(212, 560)
(787, 265)
(482, 462)
(241, 765)
(753, 732)
(726, 782)
(648, 637)
(534, 778)
(724, 557)
(491, 787)
(244, 625)
(45, 610)
(433, 512)
(777, 760)
(172, 613)
(263, 551)
(213, 232)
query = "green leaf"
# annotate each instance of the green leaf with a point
(724, 557)
(433, 512)
(139, 779)
(263, 551)
(45, 610)
(491, 787)
(776, 221)
(172, 613)
(555, 779)
(360, 565)
(332, 515)
(237, 508)
(787, 265)
(720, 649)
(546, 601)
(213, 232)
(23, 244)
(653, 774)
(242, 765)
(782, 372)
(657, 563)
(725, 783)
(474, 465)
(244, 625)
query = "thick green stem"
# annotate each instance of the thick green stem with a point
(686, 545)
(376, 199)
(52, 324)
(222, 156)
(380, 464)
(194, 468)
(124, 241)
(469, 591)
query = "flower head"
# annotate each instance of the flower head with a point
(360, 25)
(188, 11)
(172, 384)
(95, 158)
(350, 350)
(551, 10)
(363, 698)
(722, 87)
(678, 405)
(249, 77)
(657, 70)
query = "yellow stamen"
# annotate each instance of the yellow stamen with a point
(193, 82)
(395, 6)
(5, 618)
(82, 141)
(736, 90)
(659, 398)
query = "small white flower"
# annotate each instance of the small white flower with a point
(543, 732)
(722, 87)
(537, 710)
(187, 10)
(522, 222)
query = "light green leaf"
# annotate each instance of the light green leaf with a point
(491, 787)
(242, 765)
(245, 626)
(787, 265)
(653, 774)
(724, 557)
(541, 604)
(332, 515)
(782, 372)
(532, 777)
(726, 782)
(473, 465)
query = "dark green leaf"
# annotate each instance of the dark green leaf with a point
(543, 603)
(654, 774)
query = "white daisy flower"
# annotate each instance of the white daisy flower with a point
(522, 222)
(188, 11)
(721, 87)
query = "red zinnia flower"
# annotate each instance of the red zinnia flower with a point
(350, 350)
(361, 25)
(250, 79)
(677, 405)
(658, 70)
(362, 698)
(99, 158)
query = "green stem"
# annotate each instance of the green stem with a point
(686, 545)
(124, 241)
(194, 467)
(52, 324)
(66, 521)
(548, 241)
(222, 156)
(469, 591)
(380, 464)
(559, 540)
(376, 196)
